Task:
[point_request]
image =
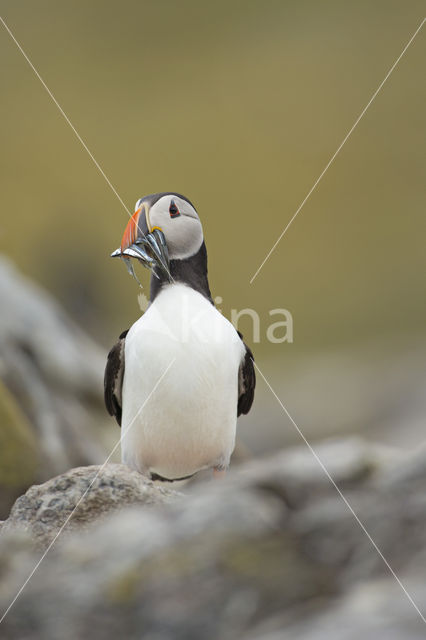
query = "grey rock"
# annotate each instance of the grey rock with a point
(271, 552)
(299, 473)
(78, 498)
(377, 610)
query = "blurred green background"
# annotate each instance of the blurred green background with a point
(238, 105)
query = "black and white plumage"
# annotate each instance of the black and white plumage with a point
(185, 421)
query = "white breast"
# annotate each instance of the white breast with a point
(188, 422)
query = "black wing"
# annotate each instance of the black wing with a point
(113, 380)
(246, 381)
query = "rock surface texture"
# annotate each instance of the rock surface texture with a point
(88, 493)
(271, 552)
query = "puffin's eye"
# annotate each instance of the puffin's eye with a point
(173, 210)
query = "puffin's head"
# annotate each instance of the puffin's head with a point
(164, 227)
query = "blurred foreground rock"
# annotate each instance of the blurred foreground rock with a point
(54, 371)
(270, 552)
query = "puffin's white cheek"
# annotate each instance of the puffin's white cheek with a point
(184, 237)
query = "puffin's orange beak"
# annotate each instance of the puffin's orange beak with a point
(136, 229)
(138, 241)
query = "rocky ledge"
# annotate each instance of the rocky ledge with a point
(79, 497)
(272, 551)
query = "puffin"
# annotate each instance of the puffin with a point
(177, 380)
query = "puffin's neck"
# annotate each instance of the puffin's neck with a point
(191, 271)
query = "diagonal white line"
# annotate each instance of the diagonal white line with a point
(338, 150)
(324, 468)
(83, 495)
(97, 165)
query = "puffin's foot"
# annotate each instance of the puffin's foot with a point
(218, 473)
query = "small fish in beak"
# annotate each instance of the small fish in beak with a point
(146, 245)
